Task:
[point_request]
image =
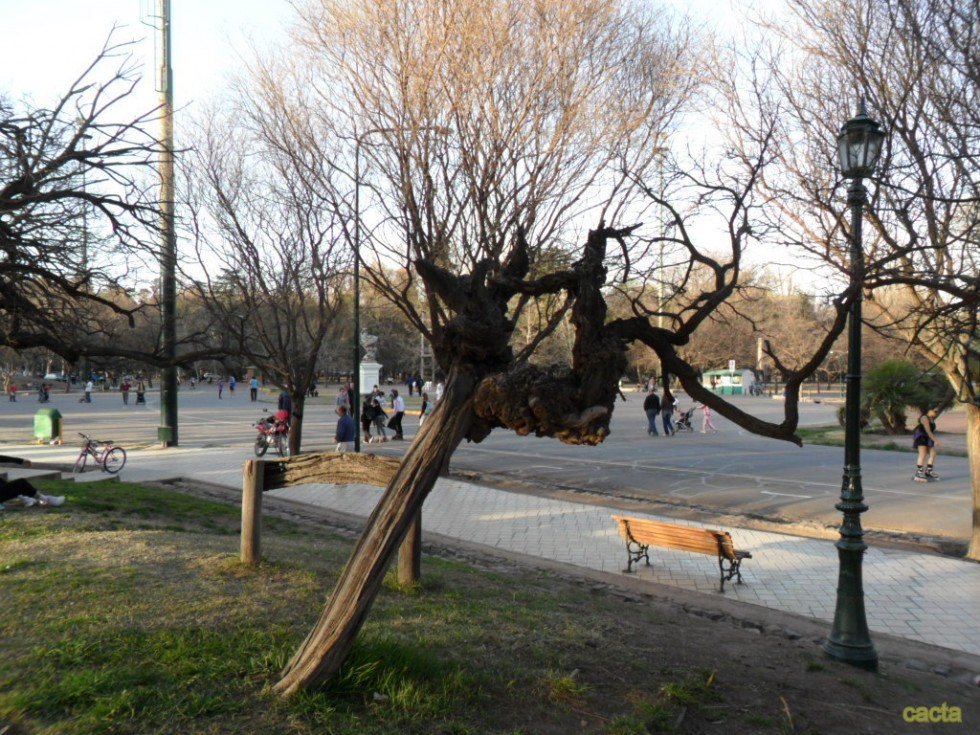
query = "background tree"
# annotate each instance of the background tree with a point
(914, 64)
(262, 207)
(73, 177)
(79, 218)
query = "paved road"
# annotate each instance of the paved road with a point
(728, 472)
(911, 594)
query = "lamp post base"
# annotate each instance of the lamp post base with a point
(850, 640)
(862, 656)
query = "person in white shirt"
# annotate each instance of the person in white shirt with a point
(398, 406)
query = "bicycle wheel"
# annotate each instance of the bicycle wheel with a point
(260, 445)
(80, 463)
(115, 460)
(282, 445)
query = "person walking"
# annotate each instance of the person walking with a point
(124, 388)
(398, 406)
(221, 387)
(380, 418)
(667, 405)
(706, 424)
(425, 409)
(345, 431)
(88, 391)
(925, 442)
(343, 399)
(285, 402)
(651, 405)
(253, 388)
(231, 386)
(367, 418)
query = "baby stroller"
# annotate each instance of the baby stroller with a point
(684, 421)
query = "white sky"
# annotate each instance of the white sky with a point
(46, 44)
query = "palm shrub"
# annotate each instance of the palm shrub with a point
(893, 386)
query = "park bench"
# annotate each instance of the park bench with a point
(640, 534)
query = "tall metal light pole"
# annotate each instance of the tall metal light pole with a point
(356, 408)
(357, 265)
(661, 152)
(167, 431)
(80, 123)
(858, 147)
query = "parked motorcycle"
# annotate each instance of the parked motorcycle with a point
(274, 433)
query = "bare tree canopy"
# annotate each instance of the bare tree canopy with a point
(266, 222)
(78, 213)
(914, 63)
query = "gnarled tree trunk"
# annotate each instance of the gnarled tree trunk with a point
(327, 645)
(486, 390)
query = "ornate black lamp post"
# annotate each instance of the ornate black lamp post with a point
(858, 146)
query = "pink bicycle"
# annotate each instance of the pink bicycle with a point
(103, 453)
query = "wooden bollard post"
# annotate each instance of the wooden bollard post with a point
(410, 554)
(252, 483)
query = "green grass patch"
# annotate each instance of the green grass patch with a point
(127, 611)
(833, 436)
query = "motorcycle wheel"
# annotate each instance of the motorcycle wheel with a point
(261, 445)
(282, 445)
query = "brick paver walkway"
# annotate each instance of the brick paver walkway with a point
(915, 595)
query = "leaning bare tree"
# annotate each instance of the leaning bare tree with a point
(266, 226)
(914, 62)
(485, 136)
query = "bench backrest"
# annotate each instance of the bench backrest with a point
(674, 536)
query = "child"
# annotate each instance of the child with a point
(706, 424)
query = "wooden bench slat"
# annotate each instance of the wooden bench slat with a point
(640, 533)
(666, 534)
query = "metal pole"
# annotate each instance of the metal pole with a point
(663, 234)
(356, 408)
(84, 369)
(849, 640)
(167, 431)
